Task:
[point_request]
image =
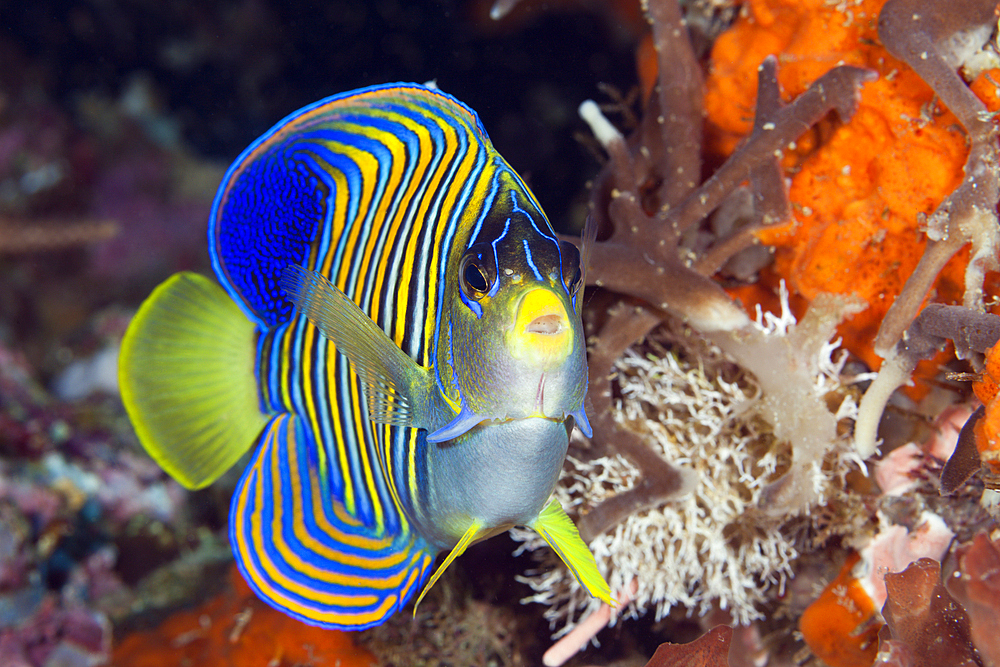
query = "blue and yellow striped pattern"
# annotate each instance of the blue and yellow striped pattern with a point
(380, 191)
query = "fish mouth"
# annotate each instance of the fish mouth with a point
(542, 335)
(546, 325)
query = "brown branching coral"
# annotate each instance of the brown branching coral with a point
(649, 197)
(924, 34)
(660, 481)
(645, 255)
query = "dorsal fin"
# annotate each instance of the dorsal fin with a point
(289, 196)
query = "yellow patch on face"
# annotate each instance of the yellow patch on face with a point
(542, 334)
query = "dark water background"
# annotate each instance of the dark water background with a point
(227, 71)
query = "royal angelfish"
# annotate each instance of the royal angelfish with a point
(380, 224)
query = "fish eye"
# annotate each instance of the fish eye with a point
(475, 278)
(572, 272)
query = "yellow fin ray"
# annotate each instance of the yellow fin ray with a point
(558, 530)
(187, 379)
(468, 538)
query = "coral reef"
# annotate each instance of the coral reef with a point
(754, 468)
(895, 195)
(846, 149)
(899, 142)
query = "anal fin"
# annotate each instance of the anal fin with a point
(303, 553)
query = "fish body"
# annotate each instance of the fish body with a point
(398, 332)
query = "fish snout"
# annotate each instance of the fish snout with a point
(542, 334)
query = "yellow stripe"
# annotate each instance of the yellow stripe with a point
(263, 582)
(367, 164)
(360, 424)
(337, 425)
(339, 219)
(308, 362)
(372, 250)
(421, 219)
(271, 573)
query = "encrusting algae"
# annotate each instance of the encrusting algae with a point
(841, 626)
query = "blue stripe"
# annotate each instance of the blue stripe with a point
(531, 263)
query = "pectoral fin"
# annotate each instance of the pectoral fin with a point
(463, 422)
(468, 538)
(582, 423)
(558, 530)
(395, 385)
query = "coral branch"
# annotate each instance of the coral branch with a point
(915, 31)
(775, 126)
(643, 256)
(660, 481)
(578, 638)
(783, 365)
(680, 101)
(926, 336)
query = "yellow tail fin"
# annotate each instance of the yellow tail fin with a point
(187, 379)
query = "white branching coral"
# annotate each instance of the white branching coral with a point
(755, 415)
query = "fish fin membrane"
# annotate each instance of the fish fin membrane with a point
(558, 530)
(186, 372)
(303, 553)
(393, 381)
